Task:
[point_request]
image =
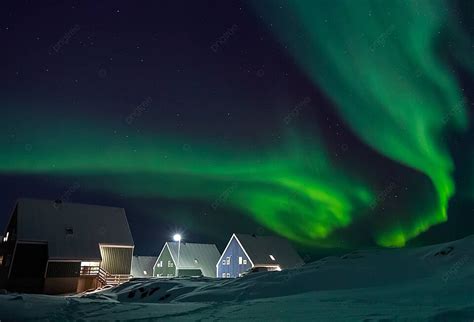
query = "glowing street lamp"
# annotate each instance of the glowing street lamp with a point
(177, 237)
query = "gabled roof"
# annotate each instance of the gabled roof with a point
(72, 231)
(195, 256)
(142, 264)
(259, 249)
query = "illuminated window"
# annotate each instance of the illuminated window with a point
(228, 260)
(271, 257)
(223, 262)
(170, 264)
(228, 275)
(240, 260)
(91, 264)
(160, 264)
(145, 273)
(196, 261)
(223, 275)
(244, 262)
(5, 239)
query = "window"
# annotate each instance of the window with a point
(228, 260)
(145, 273)
(5, 239)
(159, 275)
(223, 262)
(196, 261)
(1, 260)
(271, 257)
(245, 262)
(170, 264)
(91, 264)
(69, 231)
(223, 275)
(160, 264)
(240, 260)
(228, 275)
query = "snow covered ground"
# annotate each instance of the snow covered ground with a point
(433, 283)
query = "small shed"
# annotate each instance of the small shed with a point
(187, 259)
(247, 251)
(54, 247)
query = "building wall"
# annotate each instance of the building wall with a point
(28, 268)
(190, 272)
(60, 285)
(165, 270)
(86, 283)
(63, 269)
(233, 252)
(116, 260)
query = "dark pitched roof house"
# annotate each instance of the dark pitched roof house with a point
(56, 247)
(193, 260)
(142, 266)
(246, 251)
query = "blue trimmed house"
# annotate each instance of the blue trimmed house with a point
(244, 252)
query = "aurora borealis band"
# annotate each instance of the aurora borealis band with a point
(386, 81)
(329, 123)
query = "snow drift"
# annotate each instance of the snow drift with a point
(432, 283)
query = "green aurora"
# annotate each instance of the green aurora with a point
(377, 61)
(279, 188)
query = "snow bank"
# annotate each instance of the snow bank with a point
(420, 284)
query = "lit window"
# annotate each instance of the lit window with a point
(245, 262)
(196, 261)
(240, 260)
(271, 257)
(223, 275)
(1, 260)
(228, 260)
(228, 274)
(240, 274)
(223, 262)
(145, 273)
(170, 264)
(92, 264)
(160, 264)
(5, 239)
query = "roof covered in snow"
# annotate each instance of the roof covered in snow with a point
(261, 249)
(142, 266)
(195, 256)
(72, 231)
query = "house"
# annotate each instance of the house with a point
(142, 266)
(187, 259)
(247, 251)
(56, 248)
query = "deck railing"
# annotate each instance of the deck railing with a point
(89, 270)
(105, 278)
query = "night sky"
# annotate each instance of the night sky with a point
(336, 124)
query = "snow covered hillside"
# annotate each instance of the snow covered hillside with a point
(433, 283)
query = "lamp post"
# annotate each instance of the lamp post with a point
(177, 237)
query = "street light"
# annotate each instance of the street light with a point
(177, 237)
